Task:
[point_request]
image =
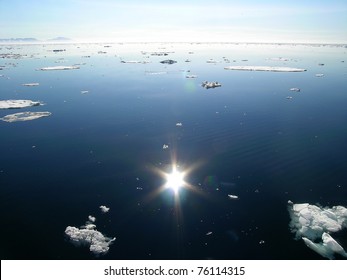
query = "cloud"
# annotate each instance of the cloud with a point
(313, 224)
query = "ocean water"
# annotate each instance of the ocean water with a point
(105, 147)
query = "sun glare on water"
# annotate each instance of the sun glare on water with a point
(174, 181)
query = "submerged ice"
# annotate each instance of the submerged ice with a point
(314, 224)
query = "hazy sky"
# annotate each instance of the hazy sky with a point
(189, 20)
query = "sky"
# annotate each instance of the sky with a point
(267, 21)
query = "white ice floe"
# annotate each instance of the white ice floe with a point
(91, 219)
(233, 196)
(191, 76)
(165, 147)
(25, 116)
(208, 85)
(59, 68)
(295, 89)
(313, 224)
(319, 75)
(89, 236)
(278, 59)
(104, 209)
(179, 124)
(31, 84)
(209, 233)
(135, 61)
(84, 91)
(289, 97)
(265, 68)
(18, 104)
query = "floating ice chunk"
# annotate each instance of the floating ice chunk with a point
(233, 196)
(18, 104)
(295, 89)
(289, 97)
(168, 61)
(319, 75)
(208, 85)
(97, 242)
(211, 60)
(84, 91)
(165, 147)
(265, 68)
(91, 218)
(31, 84)
(209, 233)
(134, 61)
(179, 124)
(312, 223)
(155, 72)
(278, 59)
(59, 68)
(104, 209)
(25, 116)
(191, 76)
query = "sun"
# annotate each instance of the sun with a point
(175, 181)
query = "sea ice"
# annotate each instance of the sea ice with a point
(233, 196)
(86, 236)
(191, 76)
(31, 84)
(265, 68)
(313, 224)
(295, 89)
(104, 209)
(168, 61)
(319, 75)
(18, 104)
(208, 85)
(25, 116)
(91, 218)
(59, 68)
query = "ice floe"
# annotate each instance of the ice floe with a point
(25, 116)
(208, 85)
(168, 61)
(135, 61)
(104, 209)
(191, 76)
(265, 68)
(59, 68)
(31, 84)
(18, 104)
(91, 218)
(231, 196)
(88, 236)
(313, 224)
(295, 89)
(319, 75)
(165, 147)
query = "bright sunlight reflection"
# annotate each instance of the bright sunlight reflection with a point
(174, 181)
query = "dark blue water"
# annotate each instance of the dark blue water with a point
(105, 148)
